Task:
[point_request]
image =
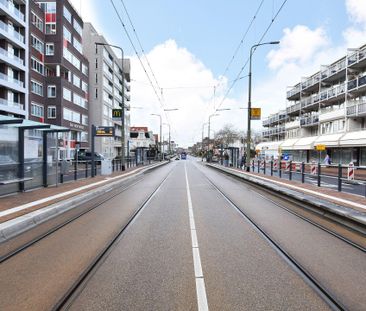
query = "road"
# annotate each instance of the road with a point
(188, 248)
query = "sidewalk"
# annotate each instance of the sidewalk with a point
(23, 203)
(355, 202)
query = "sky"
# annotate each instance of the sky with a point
(190, 46)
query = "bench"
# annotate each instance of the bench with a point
(14, 181)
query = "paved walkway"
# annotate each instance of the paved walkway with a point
(21, 203)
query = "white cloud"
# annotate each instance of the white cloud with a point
(357, 11)
(173, 66)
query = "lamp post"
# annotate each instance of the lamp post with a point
(161, 130)
(203, 129)
(250, 97)
(169, 136)
(123, 105)
(208, 133)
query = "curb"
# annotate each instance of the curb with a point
(328, 207)
(16, 226)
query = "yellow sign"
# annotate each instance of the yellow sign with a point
(320, 147)
(116, 113)
(255, 113)
(106, 131)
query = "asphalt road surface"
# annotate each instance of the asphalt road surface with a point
(188, 249)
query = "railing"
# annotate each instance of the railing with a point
(293, 91)
(10, 6)
(356, 83)
(333, 69)
(308, 121)
(294, 108)
(11, 56)
(357, 56)
(11, 32)
(310, 81)
(356, 108)
(8, 103)
(11, 80)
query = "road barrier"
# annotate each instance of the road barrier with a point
(351, 172)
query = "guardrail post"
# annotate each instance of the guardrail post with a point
(264, 167)
(253, 166)
(86, 169)
(271, 167)
(339, 177)
(303, 172)
(75, 171)
(319, 172)
(290, 171)
(61, 178)
(258, 168)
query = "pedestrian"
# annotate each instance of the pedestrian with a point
(327, 159)
(243, 161)
(226, 159)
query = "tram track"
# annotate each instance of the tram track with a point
(77, 287)
(310, 279)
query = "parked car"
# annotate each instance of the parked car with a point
(87, 156)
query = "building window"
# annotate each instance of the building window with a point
(84, 86)
(50, 13)
(37, 44)
(77, 27)
(76, 81)
(37, 66)
(84, 137)
(50, 49)
(84, 69)
(51, 112)
(67, 15)
(51, 91)
(78, 100)
(77, 45)
(36, 88)
(84, 119)
(67, 94)
(37, 21)
(37, 110)
(71, 115)
(67, 35)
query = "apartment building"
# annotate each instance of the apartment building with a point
(141, 137)
(109, 82)
(59, 72)
(14, 58)
(328, 108)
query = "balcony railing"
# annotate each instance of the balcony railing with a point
(8, 103)
(10, 6)
(333, 69)
(357, 56)
(293, 91)
(11, 32)
(292, 124)
(356, 108)
(274, 131)
(11, 56)
(309, 121)
(356, 83)
(11, 80)
(311, 81)
(294, 108)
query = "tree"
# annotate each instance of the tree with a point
(227, 135)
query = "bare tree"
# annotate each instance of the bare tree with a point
(227, 135)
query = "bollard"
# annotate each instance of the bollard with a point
(264, 167)
(86, 169)
(319, 172)
(351, 171)
(290, 171)
(271, 167)
(339, 177)
(258, 168)
(61, 178)
(253, 166)
(75, 171)
(280, 170)
(303, 172)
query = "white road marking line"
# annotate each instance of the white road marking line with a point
(200, 282)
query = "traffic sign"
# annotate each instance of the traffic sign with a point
(117, 114)
(255, 113)
(104, 131)
(320, 147)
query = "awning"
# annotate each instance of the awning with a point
(270, 145)
(329, 140)
(305, 143)
(288, 144)
(353, 139)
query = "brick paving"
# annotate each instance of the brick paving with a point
(21, 198)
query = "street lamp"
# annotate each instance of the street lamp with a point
(203, 129)
(123, 105)
(250, 97)
(169, 136)
(208, 132)
(161, 127)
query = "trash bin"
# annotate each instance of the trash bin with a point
(106, 167)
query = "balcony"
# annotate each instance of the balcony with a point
(356, 108)
(294, 93)
(293, 109)
(11, 58)
(9, 7)
(358, 84)
(274, 131)
(11, 80)
(310, 102)
(292, 125)
(311, 82)
(309, 121)
(328, 115)
(357, 57)
(333, 71)
(8, 103)
(10, 32)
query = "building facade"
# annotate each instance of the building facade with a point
(328, 108)
(14, 58)
(59, 72)
(106, 82)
